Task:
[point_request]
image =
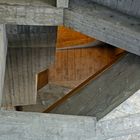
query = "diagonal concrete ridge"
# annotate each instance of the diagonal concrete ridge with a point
(104, 24)
(36, 126)
(102, 94)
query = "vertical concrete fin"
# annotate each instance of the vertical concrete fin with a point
(3, 52)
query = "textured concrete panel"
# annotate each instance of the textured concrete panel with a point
(63, 3)
(30, 13)
(107, 91)
(104, 24)
(119, 127)
(130, 7)
(3, 52)
(128, 107)
(23, 65)
(35, 126)
(31, 36)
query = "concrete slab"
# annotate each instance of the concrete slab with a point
(104, 24)
(35, 126)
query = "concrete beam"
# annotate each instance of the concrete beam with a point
(130, 7)
(104, 24)
(3, 52)
(35, 12)
(35, 126)
(102, 94)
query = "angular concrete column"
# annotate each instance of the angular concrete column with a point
(104, 24)
(3, 51)
(31, 49)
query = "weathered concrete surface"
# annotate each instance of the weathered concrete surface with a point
(22, 67)
(27, 55)
(63, 3)
(128, 107)
(123, 127)
(107, 91)
(3, 52)
(34, 12)
(31, 36)
(104, 24)
(130, 7)
(46, 97)
(35, 126)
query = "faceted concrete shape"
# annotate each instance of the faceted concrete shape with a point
(3, 52)
(35, 126)
(46, 97)
(34, 12)
(23, 65)
(102, 94)
(123, 127)
(28, 54)
(104, 24)
(128, 107)
(130, 7)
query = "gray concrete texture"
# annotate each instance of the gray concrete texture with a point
(104, 24)
(28, 54)
(37, 126)
(130, 7)
(128, 107)
(29, 36)
(34, 12)
(3, 52)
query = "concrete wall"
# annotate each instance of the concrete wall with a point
(3, 50)
(28, 54)
(130, 7)
(35, 12)
(128, 107)
(35, 126)
(104, 24)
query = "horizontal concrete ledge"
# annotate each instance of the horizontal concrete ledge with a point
(33, 13)
(104, 24)
(35, 126)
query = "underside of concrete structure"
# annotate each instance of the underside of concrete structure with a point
(78, 60)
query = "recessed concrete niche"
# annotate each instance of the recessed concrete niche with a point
(31, 49)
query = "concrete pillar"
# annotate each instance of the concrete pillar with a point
(3, 51)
